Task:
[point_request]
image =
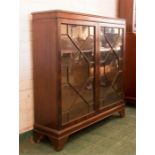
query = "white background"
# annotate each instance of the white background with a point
(9, 47)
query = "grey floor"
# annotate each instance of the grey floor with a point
(112, 136)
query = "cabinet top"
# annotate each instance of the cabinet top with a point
(74, 16)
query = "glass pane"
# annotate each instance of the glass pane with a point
(63, 29)
(111, 89)
(77, 71)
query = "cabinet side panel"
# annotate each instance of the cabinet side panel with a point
(45, 72)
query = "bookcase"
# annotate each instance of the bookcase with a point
(78, 64)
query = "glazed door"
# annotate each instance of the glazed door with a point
(111, 65)
(77, 71)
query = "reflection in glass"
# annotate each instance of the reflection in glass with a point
(110, 65)
(77, 71)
